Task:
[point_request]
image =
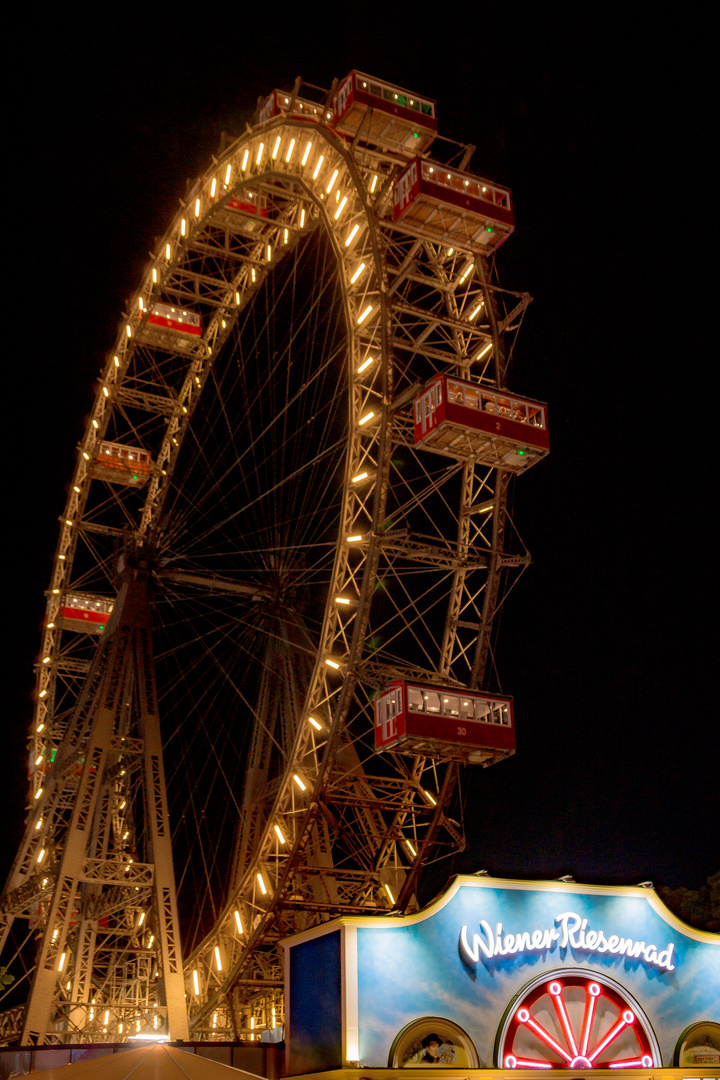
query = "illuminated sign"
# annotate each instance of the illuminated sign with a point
(511, 975)
(571, 930)
(576, 1022)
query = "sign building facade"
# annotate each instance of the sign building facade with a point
(511, 975)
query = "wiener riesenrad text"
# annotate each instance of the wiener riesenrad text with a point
(570, 930)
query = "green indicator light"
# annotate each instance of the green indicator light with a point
(521, 452)
(415, 135)
(489, 228)
(52, 755)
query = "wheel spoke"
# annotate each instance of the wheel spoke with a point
(543, 1034)
(626, 1018)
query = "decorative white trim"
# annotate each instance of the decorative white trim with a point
(350, 1017)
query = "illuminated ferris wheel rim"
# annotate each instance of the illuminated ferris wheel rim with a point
(354, 242)
(351, 230)
(580, 1051)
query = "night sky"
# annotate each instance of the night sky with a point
(598, 120)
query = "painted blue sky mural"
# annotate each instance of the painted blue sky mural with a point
(533, 971)
(420, 968)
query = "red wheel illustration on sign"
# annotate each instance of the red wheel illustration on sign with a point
(575, 1020)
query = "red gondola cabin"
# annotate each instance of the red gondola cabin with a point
(86, 613)
(174, 318)
(453, 206)
(462, 419)
(279, 102)
(451, 724)
(384, 115)
(118, 464)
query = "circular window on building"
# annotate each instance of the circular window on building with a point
(575, 1019)
(431, 1041)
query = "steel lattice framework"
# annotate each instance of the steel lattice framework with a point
(407, 584)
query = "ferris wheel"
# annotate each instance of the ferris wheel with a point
(257, 543)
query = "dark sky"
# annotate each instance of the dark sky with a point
(598, 121)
